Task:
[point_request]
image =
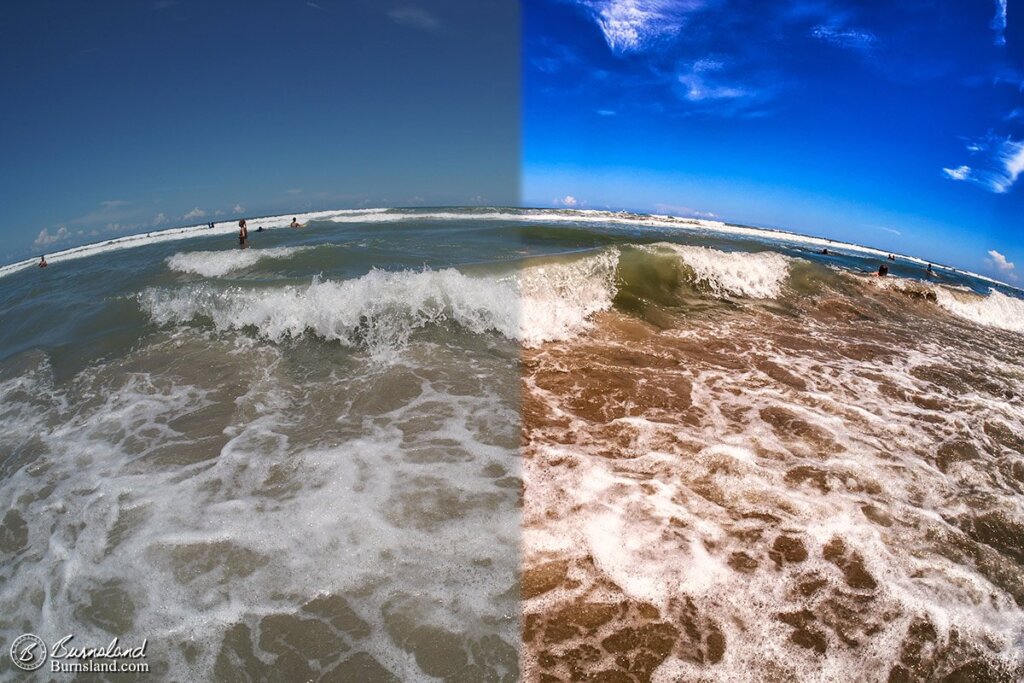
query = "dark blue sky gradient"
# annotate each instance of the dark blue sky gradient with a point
(821, 116)
(127, 116)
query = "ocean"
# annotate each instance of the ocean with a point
(501, 444)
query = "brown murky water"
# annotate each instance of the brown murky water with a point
(827, 487)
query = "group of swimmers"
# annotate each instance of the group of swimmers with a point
(883, 269)
(243, 231)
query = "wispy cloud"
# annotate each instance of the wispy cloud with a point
(958, 173)
(605, 112)
(634, 25)
(999, 264)
(999, 22)
(415, 17)
(313, 5)
(46, 238)
(846, 38)
(703, 81)
(238, 208)
(194, 213)
(1002, 165)
(159, 219)
(567, 200)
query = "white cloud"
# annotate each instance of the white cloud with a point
(846, 38)
(958, 173)
(999, 264)
(606, 112)
(313, 5)
(633, 25)
(684, 211)
(160, 218)
(238, 208)
(567, 200)
(999, 22)
(697, 88)
(296, 190)
(414, 17)
(194, 213)
(1011, 154)
(1001, 168)
(45, 238)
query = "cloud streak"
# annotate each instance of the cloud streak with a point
(635, 25)
(999, 22)
(1002, 169)
(414, 17)
(845, 38)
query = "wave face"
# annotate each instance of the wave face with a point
(992, 310)
(732, 274)
(220, 263)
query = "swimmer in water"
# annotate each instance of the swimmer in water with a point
(883, 270)
(295, 223)
(42, 262)
(825, 252)
(243, 235)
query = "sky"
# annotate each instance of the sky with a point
(129, 116)
(892, 124)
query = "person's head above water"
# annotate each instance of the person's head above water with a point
(883, 270)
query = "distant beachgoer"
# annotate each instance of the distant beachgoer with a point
(295, 223)
(825, 252)
(891, 257)
(42, 262)
(259, 229)
(243, 234)
(930, 271)
(883, 270)
(211, 225)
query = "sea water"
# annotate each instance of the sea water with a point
(492, 444)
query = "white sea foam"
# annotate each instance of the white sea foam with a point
(220, 263)
(287, 498)
(751, 275)
(381, 310)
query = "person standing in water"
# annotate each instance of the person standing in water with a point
(295, 223)
(42, 261)
(243, 235)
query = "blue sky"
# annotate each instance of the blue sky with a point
(894, 124)
(128, 116)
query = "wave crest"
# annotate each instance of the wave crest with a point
(220, 263)
(381, 310)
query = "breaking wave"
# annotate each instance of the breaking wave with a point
(220, 263)
(382, 310)
(992, 310)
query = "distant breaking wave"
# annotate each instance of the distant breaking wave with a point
(220, 263)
